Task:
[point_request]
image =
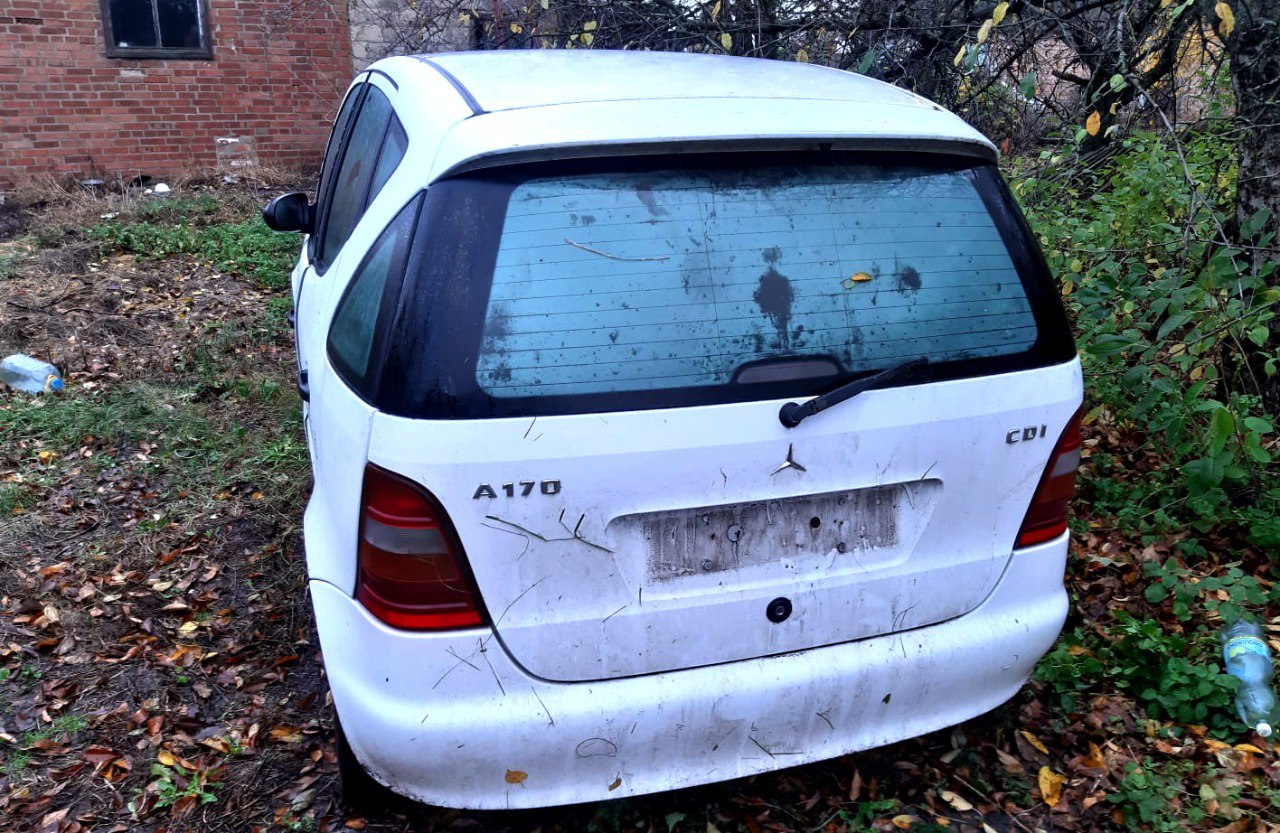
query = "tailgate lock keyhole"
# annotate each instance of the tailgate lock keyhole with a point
(778, 610)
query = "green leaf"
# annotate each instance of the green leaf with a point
(1109, 345)
(1222, 426)
(1027, 86)
(1259, 335)
(673, 819)
(1173, 322)
(1117, 82)
(868, 59)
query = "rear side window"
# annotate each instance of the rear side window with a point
(630, 284)
(613, 282)
(354, 329)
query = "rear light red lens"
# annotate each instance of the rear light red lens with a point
(1047, 515)
(412, 574)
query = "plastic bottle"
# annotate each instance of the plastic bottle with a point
(29, 375)
(1247, 658)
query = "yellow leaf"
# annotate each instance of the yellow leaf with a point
(960, 55)
(955, 801)
(1227, 17)
(802, 56)
(1248, 747)
(985, 31)
(1114, 107)
(1036, 742)
(515, 776)
(997, 15)
(726, 41)
(904, 821)
(715, 10)
(1095, 759)
(1093, 124)
(587, 38)
(165, 757)
(589, 26)
(1050, 786)
(1164, 4)
(187, 627)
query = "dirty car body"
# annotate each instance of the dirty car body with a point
(568, 539)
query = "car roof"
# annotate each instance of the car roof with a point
(512, 79)
(547, 104)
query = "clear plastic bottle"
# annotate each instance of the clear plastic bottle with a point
(1247, 658)
(29, 375)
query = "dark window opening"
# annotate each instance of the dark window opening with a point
(156, 28)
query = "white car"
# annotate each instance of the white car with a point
(673, 418)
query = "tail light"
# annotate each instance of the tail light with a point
(1047, 515)
(412, 573)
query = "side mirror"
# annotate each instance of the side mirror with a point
(290, 212)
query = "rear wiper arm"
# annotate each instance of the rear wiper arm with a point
(793, 414)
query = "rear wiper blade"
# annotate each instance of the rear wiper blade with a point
(793, 414)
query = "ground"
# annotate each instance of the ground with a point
(158, 664)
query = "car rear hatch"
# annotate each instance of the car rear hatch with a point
(588, 361)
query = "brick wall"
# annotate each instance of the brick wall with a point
(278, 70)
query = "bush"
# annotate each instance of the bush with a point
(1172, 322)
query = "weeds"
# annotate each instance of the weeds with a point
(246, 248)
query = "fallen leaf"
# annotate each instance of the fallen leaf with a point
(955, 801)
(1050, 786)
(984, 31)
(1093, 124)
(166, 757)
(904, 821)
(515, 776)
(726, 40)
(617, 782)
(999, 12)
(1036, 742)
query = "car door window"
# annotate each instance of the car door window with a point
(354, 326)
(355, 173)
(337, 141)
(394, 147)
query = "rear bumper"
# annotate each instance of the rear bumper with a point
(450, 720)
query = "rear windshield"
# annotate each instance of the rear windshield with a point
(715, 280)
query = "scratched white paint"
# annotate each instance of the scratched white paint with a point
(587, 607)
(442, 717)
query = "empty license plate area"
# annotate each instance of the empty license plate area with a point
(862, 528)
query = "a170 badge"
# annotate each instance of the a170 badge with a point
(524, 487)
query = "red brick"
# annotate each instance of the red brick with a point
(65, 107)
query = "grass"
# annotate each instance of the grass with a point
(68, 724)
(247, 247)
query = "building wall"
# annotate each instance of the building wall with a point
(269, 94)
(380, 28)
